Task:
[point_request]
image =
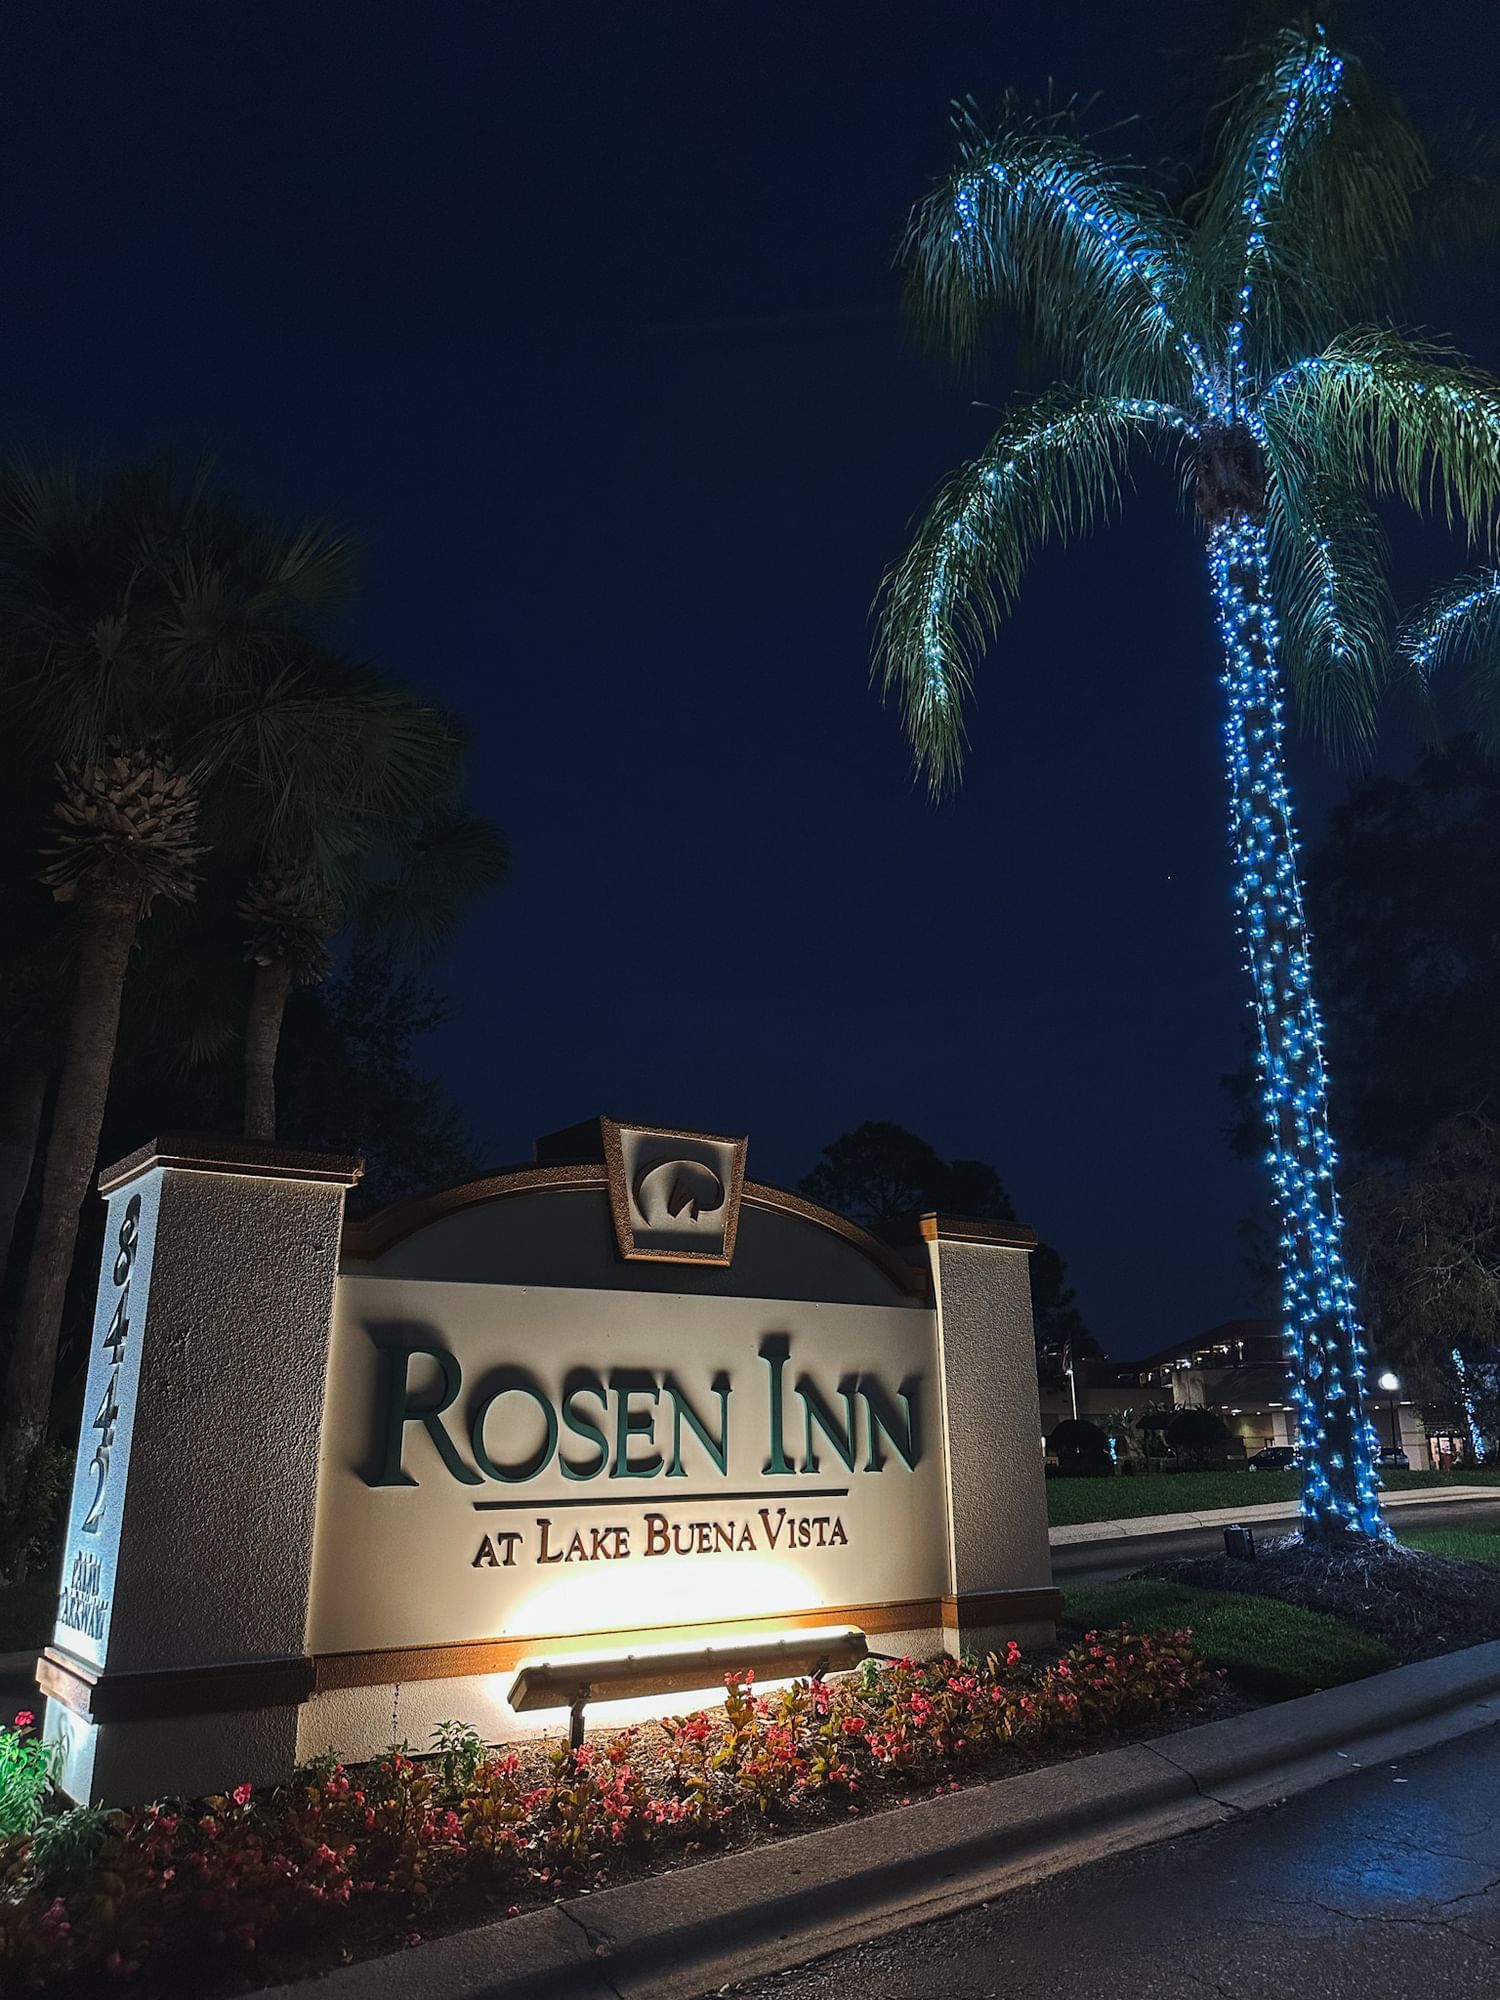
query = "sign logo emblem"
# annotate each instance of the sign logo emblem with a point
(690, 1188)
(674, 1196)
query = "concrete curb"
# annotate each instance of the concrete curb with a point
(688, 1932)
(1136, 1525)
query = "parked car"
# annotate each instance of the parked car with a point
(1391, 1458)
(1274, 1458)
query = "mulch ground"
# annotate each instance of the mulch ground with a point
(1419, 1604)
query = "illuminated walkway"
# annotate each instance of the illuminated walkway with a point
(1386, 1884)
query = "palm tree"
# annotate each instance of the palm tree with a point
(402, 880)
(148, 620)
(1226, 333)
(32, 974)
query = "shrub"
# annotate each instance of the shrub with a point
(1082, 1449)
(263, 1883)
(25, 1772)
(1199, 1436)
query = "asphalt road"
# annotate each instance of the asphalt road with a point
(1102, 1561)
(1377, 1887)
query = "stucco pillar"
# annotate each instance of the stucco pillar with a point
(178, 1662)
(1000, 1563)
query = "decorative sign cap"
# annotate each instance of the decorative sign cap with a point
(674, 1196)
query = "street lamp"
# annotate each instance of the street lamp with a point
(1391, 1383)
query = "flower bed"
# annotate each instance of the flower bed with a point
(253, 1886)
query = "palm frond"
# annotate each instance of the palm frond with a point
(1456, 213)
(1460, 621)
(321, 761)
(1460, 625)
(1309, 208)
(1033, 223)
(1052, 471)
(1328, 555)
(1404, 417)
(414, 897)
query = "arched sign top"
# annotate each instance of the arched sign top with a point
(772, 1220)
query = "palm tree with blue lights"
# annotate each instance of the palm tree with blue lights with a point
(1229, 333)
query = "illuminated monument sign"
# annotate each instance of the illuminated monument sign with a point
(338, 1481)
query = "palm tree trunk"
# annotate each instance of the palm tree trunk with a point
(1338, 1443)
(20, 1123)
(108, 932)
(268, 997)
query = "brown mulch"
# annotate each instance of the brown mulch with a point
(1419, 1604)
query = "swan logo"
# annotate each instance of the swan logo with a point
(674, 1196)
(668, 1189)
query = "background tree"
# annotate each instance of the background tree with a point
(1404, 895)
(350, 1066)
(379, 842)
(1426, 1235)
(1199, 1436)
(151, 625)
(33, 977)
(880, 1176)
(1227, 333)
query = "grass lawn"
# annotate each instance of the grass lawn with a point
(1071, 1501)
(1480, 1544)
(1267, 1647)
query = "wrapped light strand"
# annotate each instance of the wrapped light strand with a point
(1337, 1440)
(1309, 101)
(1471, 1414)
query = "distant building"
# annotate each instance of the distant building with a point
(1239, 1370)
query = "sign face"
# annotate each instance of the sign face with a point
(502, 1460)
(674, 1196)
(91, 1555)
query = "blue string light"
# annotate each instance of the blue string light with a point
(1309, 104)
(1429, 643)
(992, 478)
(1337, 1440)
(1471, 1415)
(1102, 233)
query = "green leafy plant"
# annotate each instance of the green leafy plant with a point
(25, 1772)
(459, 1752)
(67, 1842)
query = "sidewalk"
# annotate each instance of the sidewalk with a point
(1273, 1510)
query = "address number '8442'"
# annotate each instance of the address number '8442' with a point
(115, 1335)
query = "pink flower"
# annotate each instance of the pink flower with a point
(242, 1795)
(25, 1719)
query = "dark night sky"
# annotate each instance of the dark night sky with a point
(582, 316)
